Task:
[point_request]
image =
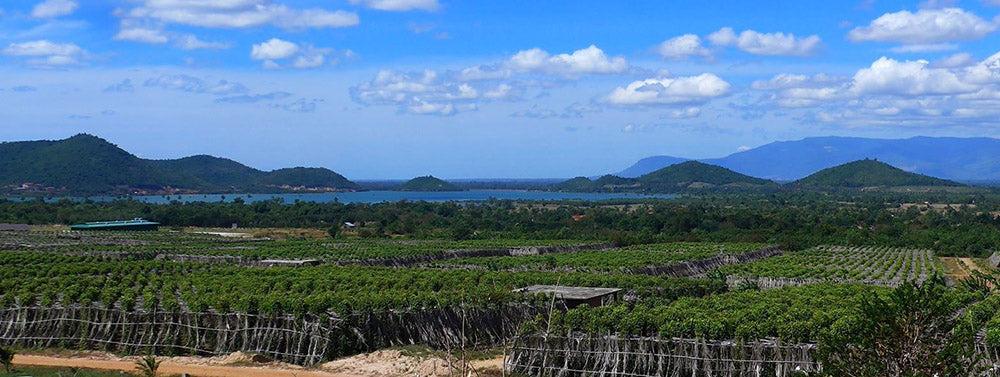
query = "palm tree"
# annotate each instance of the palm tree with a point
(7, 359)
(148, 365)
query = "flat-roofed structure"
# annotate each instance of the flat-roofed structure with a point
(15, 227)
(575, 296)
(289, 262)
(136, 224)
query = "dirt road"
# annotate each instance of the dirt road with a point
(171, 368)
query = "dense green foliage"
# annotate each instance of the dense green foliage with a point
(796, 314)
(968, 227)
(88, 165)
(609, 260)
(869, 173)
(907, 332)
(29, 278)
(427, 183)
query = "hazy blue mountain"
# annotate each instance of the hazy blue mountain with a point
(649, 165)
(961, 159)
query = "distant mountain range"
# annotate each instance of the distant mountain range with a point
(962, 159)
(88, 165)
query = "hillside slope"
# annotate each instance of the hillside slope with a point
(869, 173)
(88, 165)
(694, 175)
(427, 183)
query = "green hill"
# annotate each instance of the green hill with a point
(308, 177)
(607, 183)
(869, 173)
(578, 184)
(88, 165)
(427, 183)
(696, 175)
(220, 171)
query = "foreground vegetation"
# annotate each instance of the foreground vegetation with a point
(949, 224)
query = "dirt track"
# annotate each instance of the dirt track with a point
(169, 368)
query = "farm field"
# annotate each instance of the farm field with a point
(180, 293)
(872, 265)
(618, 259)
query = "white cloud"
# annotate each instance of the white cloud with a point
(142, 35)
(237, 14)
(589, 60)
(670, 91)
(400, 5)
(891, 92)
(926, 26)
(682, 47)
(777, 44)
(276, 54)
(44, 53)
(429, 92)
(54, 8)
(963, 59)
(274, 49)
(909, 78)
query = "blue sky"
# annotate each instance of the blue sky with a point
(485, 89)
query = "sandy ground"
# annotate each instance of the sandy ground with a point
(169, 367)
(385, 363)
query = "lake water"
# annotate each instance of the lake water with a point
(385, 196)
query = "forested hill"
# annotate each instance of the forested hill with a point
(88, 165)
(869, 173)
(681, 177)
(427, 183)
(694, 175)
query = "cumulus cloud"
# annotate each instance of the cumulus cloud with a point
(400, 5)
(279, 54)
(589, 60)
(925, 27)
(428, 92)
(451, 92)
(274, 49)
(670, 91)
(44, 53)
(682, 47)
(892, 92)
(888, 76)
(237, 14)
(777, 44)
(54, 8)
